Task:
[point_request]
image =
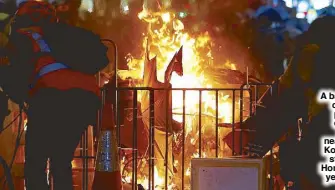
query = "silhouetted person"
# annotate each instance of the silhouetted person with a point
(63, 99)
(310, 70)
(268, 44)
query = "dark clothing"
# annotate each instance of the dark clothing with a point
(289, 158)
(4, 109)
(21, 56)
(57, 120)
(310, 148)
(269, 49)
(308, 72)
(64, 101)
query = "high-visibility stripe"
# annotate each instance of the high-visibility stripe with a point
(44, 48)
(41, 43)
(50, 68)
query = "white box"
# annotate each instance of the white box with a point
(228, 174)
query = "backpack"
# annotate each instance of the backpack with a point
(80, 49)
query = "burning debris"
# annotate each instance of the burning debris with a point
(174, 58)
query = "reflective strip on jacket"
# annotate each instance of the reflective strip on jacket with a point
(61, 78)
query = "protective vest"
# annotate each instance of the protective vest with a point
(49, 73)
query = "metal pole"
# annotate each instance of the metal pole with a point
(135, 156)
(217, 123)
(115, 63)
(86, 159)
(241, 117)
(116, 110)
(116, 86)
(233, 124)
(200, 128)
(167, 98)
(151, 140)
(183, 143)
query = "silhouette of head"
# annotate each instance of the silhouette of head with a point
(67, 10)
(33, 13)
(322, 31)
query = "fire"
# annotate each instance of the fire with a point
(165, 36)
(164, 43)
(159, 181)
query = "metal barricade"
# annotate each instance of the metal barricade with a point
(247, 107)
(244, 102)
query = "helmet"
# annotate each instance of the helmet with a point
(34, 13)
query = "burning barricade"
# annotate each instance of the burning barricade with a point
(174, 126)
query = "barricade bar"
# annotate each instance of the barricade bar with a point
(245, 105)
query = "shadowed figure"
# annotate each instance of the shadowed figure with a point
(52, 69)
(268, 44)
(310, 70)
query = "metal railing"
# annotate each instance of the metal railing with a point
(152, 126)
(242, 107)
(239, 101)
(244, 103)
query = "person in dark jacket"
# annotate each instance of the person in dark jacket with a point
(310, 70)
(62, 101)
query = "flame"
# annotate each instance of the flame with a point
(165, 41)
(159, 181)
(166, 35)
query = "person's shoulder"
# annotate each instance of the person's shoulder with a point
(19, 42)
(306, 61)
(76, 28)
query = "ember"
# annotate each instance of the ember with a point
(172, 56)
